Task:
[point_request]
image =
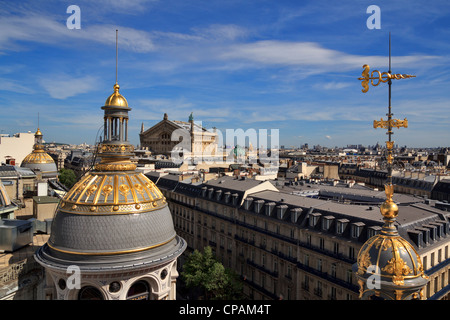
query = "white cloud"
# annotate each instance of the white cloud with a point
(43, 29)
(221, 32)
(63, 86)
(14, 86)
(310, 55)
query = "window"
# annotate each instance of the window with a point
(263, 242)
(140, 290)
(290, 252)
(313, 219)
(356, 229)
(333, 293)
(90, 293)
(372, 231)
(336, 248)
(306, 283)
(349, 276)
(319, 265)
(341, 225)
(318, 290)
(321, 243)
(333, 270)
(351, 252)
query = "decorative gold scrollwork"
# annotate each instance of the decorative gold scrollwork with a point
(392, 123)
(398, 268)
(380, 76)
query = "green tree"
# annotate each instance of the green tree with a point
(67, 177)
(203, 271)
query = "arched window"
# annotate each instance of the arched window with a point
(90, 293)
(140, 290)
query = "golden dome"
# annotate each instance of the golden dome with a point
(116, 99)
(104, 192)
(36, 157)
(395, 263)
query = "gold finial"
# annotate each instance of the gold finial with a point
(389, 209)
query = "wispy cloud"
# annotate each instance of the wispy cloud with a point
(45, 29)
(63, 86)
(13, 85)
(309, 54)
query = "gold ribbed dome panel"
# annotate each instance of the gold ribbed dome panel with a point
(37, 157)
(391, 257)
(116, 99)
(113, 193)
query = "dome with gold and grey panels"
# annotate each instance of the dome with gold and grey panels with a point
(40, 160)
(114, 216)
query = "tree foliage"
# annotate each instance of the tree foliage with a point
(203, 271)
(67, 177)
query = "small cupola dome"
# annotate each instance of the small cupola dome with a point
(116, 99)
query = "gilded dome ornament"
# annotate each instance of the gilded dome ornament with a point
(388, 266)
(40, 160)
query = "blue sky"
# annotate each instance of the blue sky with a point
(286, 65)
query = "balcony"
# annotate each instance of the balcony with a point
(262, 268)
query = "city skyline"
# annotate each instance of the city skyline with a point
(235, 64)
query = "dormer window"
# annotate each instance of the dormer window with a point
(210, 193)
(326, 222)
(247, 203)
(341, 224)
(357, 228)
(313, 219)
(218, 195)
(373, 231)
(234, 199)
(258, 205)
(268, 208)
(281, 210)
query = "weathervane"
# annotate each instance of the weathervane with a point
(389, 123)
(399, 270)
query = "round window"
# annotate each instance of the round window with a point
(114, 287)
(62, 284)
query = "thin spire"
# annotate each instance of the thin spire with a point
(117, 51)
(390, 117)
(389, 52)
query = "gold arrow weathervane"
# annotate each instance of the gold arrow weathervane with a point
(390, 123)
